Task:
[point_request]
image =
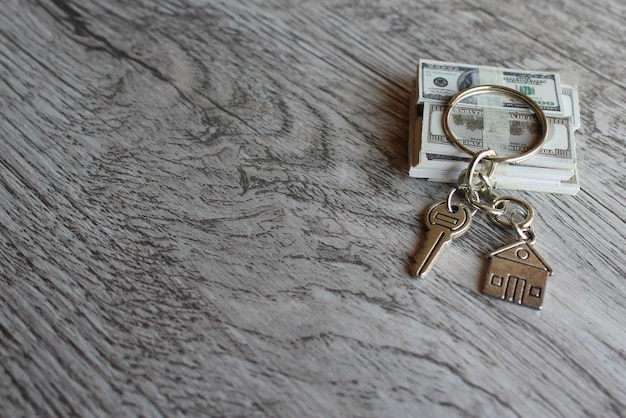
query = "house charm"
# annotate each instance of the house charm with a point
(517, 273)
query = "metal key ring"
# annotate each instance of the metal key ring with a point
(473, 165)
(526, 234)
(493, 210)
(475, 192)
(529, 216)
(486, 88)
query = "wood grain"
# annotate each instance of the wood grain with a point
(205, 211)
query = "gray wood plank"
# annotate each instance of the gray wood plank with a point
(205, 210)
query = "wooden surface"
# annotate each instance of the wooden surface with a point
(205, 210)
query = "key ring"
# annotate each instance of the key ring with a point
(474, 192)
(486, 88)
(471, 171)
(528, 212)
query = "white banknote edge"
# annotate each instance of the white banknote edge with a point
(414, 126)
(569, 186)
(571, 92)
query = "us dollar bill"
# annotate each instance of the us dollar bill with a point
(439, 81)
(468, 124)
(571, 109)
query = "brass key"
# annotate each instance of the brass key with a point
(442, 227)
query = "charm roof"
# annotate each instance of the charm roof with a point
(523, 253)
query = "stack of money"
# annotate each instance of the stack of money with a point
(433, 156)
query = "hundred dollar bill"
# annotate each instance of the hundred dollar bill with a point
(439, 81)
(570, 100)
(468, 124)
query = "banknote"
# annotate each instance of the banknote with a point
(571, 109)
(468, 124)
(439, 81)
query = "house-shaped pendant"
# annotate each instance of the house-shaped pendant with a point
(517, 273)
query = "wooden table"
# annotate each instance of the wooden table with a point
(205, 210)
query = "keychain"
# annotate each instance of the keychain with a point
(516, 272)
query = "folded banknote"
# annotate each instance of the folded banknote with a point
(439, 81)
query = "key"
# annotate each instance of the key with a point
(442, 227)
